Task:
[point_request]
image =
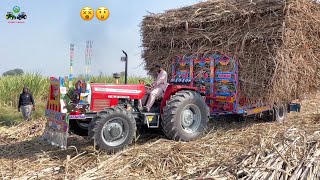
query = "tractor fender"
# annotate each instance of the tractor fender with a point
(171, 90)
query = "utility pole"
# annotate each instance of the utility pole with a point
(71, 63)
(88, 58)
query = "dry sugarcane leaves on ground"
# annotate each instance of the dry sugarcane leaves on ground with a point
(216, 155)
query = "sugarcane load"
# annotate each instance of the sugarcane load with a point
(276, 42)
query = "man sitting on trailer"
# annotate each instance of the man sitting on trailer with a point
(158, 87)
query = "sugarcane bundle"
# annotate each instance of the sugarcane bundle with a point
(277, 42)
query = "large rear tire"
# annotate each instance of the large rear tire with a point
(185, 116)
(112, 129)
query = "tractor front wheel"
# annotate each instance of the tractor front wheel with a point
(185, 116)
(112, 129)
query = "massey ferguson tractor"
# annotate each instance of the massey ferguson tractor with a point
(110, 114)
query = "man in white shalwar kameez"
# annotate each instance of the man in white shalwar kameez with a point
(158, 87)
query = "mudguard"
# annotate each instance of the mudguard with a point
(57, 126)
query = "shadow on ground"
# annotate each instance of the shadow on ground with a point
(217, 123)
(234, 122)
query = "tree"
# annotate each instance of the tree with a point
(13, 72)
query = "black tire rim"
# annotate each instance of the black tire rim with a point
(115, 132)
(190, 118)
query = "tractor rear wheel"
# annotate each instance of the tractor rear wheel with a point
(185, 116)
(112, 129)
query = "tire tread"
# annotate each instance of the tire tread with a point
(169, 113)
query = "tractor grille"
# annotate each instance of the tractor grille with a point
(100, 104)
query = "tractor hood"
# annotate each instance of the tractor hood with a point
(108, 95)
(119, 91)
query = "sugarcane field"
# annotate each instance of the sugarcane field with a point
(212, 89)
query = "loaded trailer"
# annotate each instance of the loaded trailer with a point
(217, 77)
(201, 86)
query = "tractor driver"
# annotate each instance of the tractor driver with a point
(158, 87)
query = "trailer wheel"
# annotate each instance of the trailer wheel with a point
(78, 128)
(185, 116)
(112, 129)
(280, 112)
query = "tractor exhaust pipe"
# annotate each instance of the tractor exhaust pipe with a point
(125, 59)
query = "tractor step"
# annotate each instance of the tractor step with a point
(152, 120)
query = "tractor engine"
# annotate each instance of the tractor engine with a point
(89, 99)
(95, 97)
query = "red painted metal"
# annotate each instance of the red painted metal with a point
(75, 113)
(172, 89)
(108, 94)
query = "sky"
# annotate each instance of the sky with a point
(42, 43)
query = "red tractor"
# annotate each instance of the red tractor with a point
(111, 114)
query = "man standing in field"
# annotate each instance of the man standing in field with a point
(26, 103)
(158, 86)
